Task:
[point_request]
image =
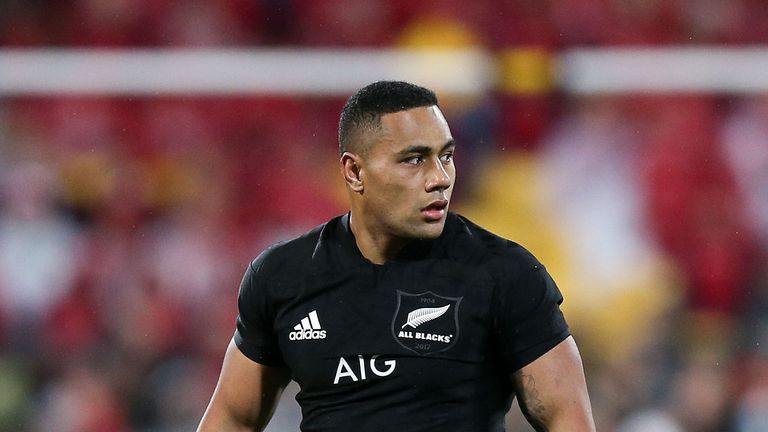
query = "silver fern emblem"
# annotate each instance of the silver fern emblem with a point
(420, 316)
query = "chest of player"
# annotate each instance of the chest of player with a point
(386, 322)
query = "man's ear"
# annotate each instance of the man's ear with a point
(351, 169)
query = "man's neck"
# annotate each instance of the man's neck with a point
(376, 247)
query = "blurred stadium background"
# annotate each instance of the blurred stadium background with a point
(149, 150)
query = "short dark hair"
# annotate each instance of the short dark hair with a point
(365, 108)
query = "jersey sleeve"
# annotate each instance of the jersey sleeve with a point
(528, 318)
(255, 335)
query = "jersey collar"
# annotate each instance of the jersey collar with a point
(414, 251)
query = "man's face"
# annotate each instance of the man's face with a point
(408, 174)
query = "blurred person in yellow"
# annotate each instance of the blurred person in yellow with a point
(400, 315)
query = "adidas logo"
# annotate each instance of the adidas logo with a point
(309, 328)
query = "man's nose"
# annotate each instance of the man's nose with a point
(438, 178)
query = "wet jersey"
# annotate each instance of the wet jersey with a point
(426, 342)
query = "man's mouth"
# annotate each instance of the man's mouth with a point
(435, 211)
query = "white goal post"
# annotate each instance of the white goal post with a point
(328, 72)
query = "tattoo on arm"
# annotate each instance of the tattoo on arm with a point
(528, 399)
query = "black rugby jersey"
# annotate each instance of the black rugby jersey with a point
(423, 343)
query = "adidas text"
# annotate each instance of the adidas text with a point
(306, 334)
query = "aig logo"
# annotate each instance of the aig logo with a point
(346, 370)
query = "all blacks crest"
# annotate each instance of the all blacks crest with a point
(426, 323)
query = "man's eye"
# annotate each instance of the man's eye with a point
(447, 158)
(415, 160)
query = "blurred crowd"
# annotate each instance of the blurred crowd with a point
(496, 24)
(126, 223)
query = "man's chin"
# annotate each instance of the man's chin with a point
(431, 231)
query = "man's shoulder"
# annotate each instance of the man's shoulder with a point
(469, 239)
(293, 254)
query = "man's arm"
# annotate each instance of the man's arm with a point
(245, 396)
(552, 391)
